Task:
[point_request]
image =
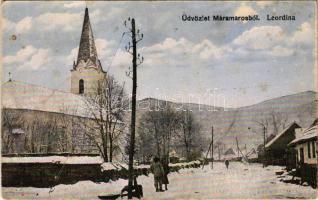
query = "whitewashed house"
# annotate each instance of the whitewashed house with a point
(306, 146)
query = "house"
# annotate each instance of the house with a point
(306, 147)
(277, 151)
(229, 155)
(252, 155)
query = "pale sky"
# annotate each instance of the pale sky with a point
(247, 62)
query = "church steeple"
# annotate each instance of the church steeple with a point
(87, 49)
(87, 71)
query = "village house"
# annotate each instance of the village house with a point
(277, 151)
(306, 146)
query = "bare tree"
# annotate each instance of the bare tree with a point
(274, 121)
(10, 120)
(190, 135)
(160, 126)
(106, 105)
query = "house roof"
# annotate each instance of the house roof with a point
(308, 134)
(281, 134)
(19, 95)
(230, 151)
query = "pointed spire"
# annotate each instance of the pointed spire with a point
(87, 48)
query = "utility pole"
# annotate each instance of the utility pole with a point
(264, 135)
(219, 152)
(134, 40)
(237, 146)
(212, 148)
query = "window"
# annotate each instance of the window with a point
(313, 149)
(301, 154)
(297, 156)
(81, 86)
(308, 147)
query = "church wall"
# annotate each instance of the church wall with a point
(45, 132)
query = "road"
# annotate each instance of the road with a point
(240, 181)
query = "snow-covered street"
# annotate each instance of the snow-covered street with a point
(239, 181)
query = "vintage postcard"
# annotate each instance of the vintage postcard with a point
(159, 100)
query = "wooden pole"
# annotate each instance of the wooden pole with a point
(133, 112)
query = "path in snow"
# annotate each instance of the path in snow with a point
(240, 181)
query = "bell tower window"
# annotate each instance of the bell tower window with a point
(81, 86)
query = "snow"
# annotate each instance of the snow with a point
(20, 95)
(55, 159)
(119, 166)
(239, 181)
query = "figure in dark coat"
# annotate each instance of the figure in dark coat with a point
(227, 164)
(166, 170)
(158, 172)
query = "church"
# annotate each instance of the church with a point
(37, 119)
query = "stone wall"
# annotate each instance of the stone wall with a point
(50, 174)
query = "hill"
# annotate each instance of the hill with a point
(231, 123)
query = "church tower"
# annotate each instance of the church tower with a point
(87, 70)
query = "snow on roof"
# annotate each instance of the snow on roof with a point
(19, 95)
(230, 151)
(308, 134)
(280, 134)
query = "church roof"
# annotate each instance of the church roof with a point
(19, 95)
(87, 52)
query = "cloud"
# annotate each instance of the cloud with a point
(244, 10)
(72, 56)
(21, 56)
(59, 21)
(7, 24)
(104, 47)
(29, 58)
(263, 4)
(74, 4)
(261, 37)
(20, 27)
(208, 50)
(304, 35)
(280, 51)
(24, 25)
(39, 60)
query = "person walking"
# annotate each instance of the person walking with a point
(227, 164)
(166, 171)
(158, 172)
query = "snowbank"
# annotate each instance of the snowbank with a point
(55, 159)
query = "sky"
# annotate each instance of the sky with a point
(229, 64)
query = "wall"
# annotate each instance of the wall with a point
(307, 160)
(46, 132)
(50, 174)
